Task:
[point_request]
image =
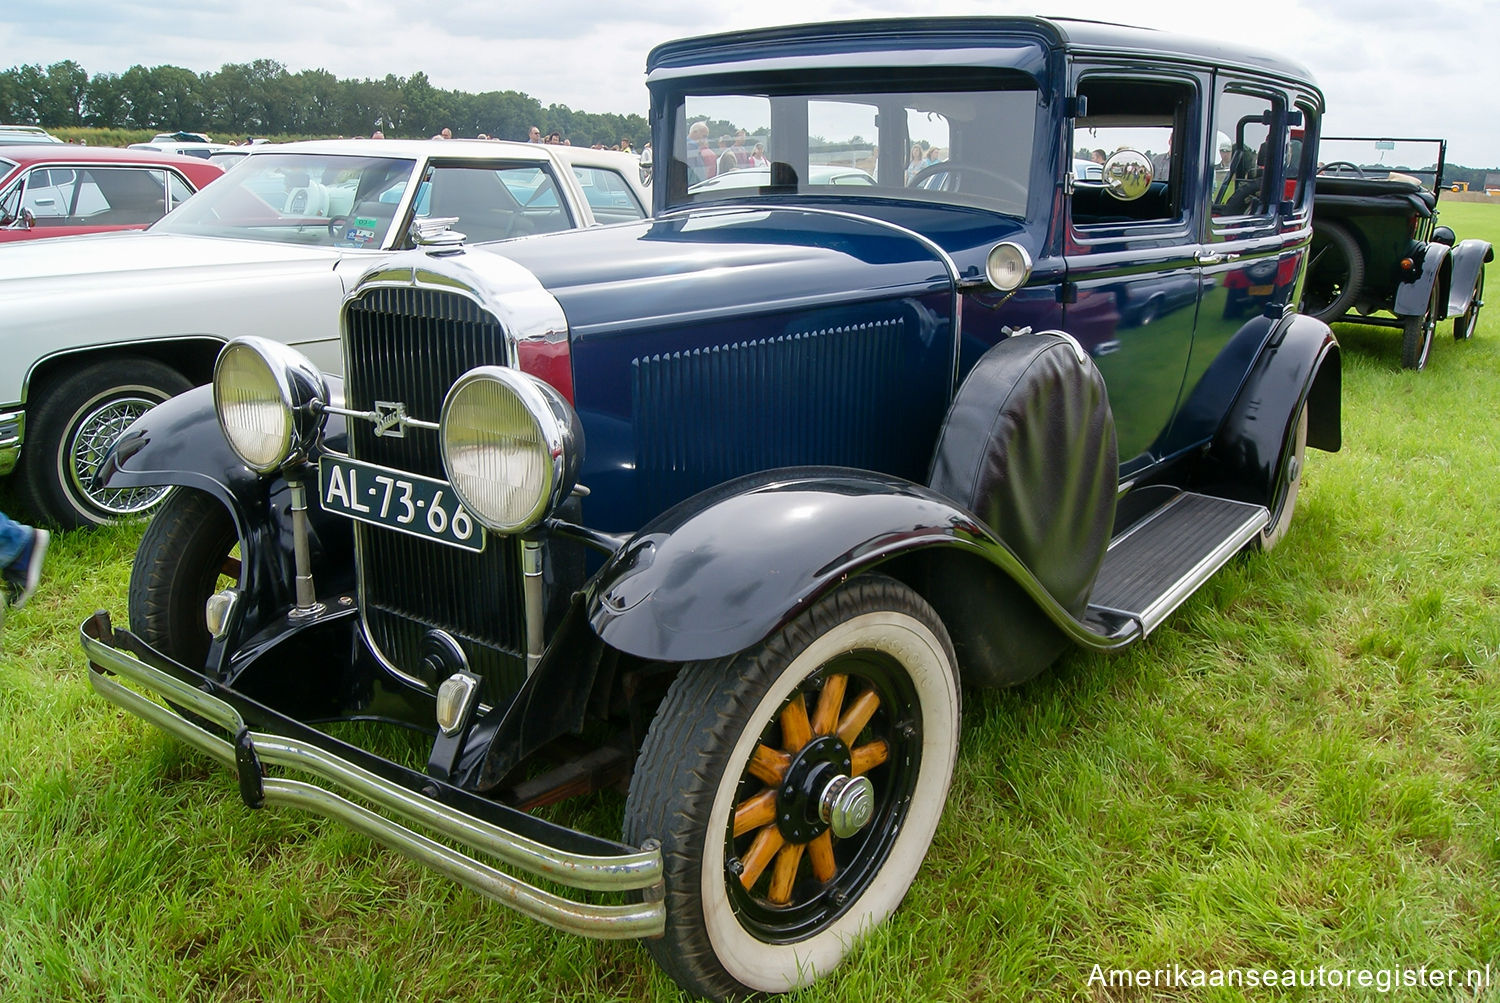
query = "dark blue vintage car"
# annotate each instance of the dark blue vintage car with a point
(732, 503)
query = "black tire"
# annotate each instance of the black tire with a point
(1465, 324)
(1335, 273)
(76, 417)
(1417, 332)
(185, 556)
(694, 780)
(1288, 485)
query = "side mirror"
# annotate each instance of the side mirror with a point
(1127, 175)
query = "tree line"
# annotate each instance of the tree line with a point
(261, 98)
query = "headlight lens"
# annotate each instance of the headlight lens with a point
(264, 394)
(511, 447)
(1007, 266)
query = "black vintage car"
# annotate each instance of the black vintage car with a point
(729, 504)
(1379, 255)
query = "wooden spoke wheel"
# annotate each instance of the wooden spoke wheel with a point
(795, 789)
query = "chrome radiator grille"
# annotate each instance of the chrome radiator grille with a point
(411, 345)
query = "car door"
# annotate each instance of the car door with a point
(1132, 276)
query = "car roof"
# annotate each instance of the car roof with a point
(47, 153)
(963, 39)
(470, 149)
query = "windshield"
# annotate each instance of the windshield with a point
(299, 198)
(1409, 160)
(967, 140)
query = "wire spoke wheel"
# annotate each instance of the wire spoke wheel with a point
(95, 432)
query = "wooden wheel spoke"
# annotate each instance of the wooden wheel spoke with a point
(230, 568)
(796, 730)
(820, 853)
(858, 715)
(752, 813)
(765, 847)
(784, 874)
(868, 756)
(830, 704)
(768, 765)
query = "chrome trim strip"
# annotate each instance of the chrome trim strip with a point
(641, 870)
(12, 434)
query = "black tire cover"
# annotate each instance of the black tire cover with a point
(1029, 447)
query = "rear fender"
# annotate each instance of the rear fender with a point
(1466, 260)
(1298, 367)
(724, 570)
(179, 442)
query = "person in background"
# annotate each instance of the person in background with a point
(916, 163)
(377, 134)
(22, 551)
(758, 156)
(534, 136)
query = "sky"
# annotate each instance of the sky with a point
(1386, 67)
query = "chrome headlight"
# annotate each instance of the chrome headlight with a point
(511, 445)
(269, 401)
(1007, 266)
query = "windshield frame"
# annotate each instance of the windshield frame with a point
(885, 88)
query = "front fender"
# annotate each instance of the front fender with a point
(1412, 297)
(1467, 258)
(723, 570)
(179, 442)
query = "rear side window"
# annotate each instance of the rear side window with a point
(608, 195)
(1244, 162)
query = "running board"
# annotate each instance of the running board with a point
(1156, 564)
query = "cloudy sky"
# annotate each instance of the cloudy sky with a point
(1387, 67)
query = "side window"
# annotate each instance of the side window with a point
(1299, 155)
(1243, 167)
(49, 192)
(608, 195)
(177, 191)
(1148, 117)
(496, 203)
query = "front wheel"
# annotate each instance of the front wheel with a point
(795, 789)
(76, 419)
(1465, 323)
(186, 555)
(1416, 333)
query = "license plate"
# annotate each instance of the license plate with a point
(395, 499)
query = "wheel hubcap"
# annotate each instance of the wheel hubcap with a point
(96, 432)
(847, 804)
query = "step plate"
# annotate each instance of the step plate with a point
(1162, 560)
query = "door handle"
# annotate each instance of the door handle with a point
(1213, 257)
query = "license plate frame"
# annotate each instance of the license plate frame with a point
(397, 500)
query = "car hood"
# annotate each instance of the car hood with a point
(692, 267)
(133, 252)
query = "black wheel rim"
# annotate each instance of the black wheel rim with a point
(813, 902)
(1327, 277)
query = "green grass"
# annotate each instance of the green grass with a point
(1297, 770)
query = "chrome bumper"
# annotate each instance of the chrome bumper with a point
(12, 430)
(249, 752)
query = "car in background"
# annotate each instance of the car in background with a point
(1378, 254)
(190, 148)
(180, 137)
(25, 135)
(96, 330)
(61, 190)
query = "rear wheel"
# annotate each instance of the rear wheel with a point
(1416, 334)
(1335, 272)
(1465, 323)
(1288, 485)
(186, 555)
(77, 417)
(795, 789)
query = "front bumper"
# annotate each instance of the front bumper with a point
(524, 842)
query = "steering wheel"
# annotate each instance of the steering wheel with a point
(1017, 191)
(336, 226)
(1340, 165)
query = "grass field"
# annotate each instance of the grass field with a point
(1298, 770)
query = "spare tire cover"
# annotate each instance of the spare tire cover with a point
(1029, 447)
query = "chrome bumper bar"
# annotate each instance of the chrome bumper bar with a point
(250, 752)
(12, 431)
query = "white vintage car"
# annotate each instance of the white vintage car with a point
(95, 330)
